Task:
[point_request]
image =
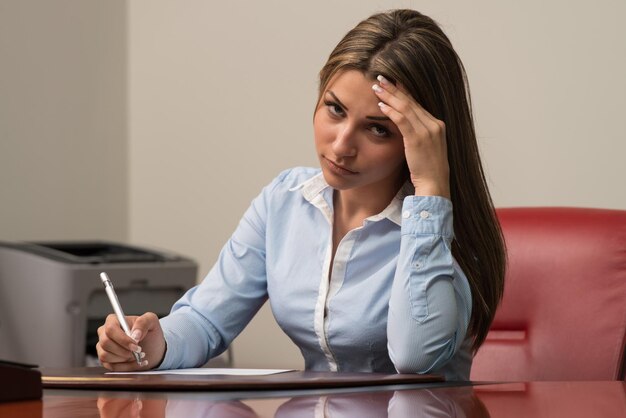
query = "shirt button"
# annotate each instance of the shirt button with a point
(406, 214)
(424, 214)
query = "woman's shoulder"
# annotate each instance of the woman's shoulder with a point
(284, 187)
(295, 176)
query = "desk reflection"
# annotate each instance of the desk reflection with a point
(168, 408)
(510, 400)
(426, 403)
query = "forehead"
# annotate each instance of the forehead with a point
(349, 77)
(352, 87)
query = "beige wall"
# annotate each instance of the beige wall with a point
(63, 157)
(219, 97)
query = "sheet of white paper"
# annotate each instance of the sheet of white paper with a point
(207, 371)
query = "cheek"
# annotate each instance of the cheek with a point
(390, 158)
(322, 130)
(396, 152)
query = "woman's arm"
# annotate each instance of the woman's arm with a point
(428, 311)
(428, 314)
(208, 317)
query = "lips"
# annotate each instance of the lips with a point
(338, 168)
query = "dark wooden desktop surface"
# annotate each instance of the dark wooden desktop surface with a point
(429, 399)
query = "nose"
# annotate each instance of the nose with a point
(344, 144)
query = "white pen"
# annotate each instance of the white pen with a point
(108, 287)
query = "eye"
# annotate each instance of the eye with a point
(334, 109)
(379, 130)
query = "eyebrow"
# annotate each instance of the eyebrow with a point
(380, 118)
(337, 100)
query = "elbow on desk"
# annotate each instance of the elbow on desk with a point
(411, 366)
(421, 360)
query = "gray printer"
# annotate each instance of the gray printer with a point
(52, 300)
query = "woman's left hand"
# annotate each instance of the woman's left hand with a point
(424, 139)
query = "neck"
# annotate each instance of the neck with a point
(363, 202)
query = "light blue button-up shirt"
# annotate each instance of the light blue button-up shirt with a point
(396, 300)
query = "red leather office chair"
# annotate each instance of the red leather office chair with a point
(563, 315)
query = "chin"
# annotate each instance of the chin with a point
(337, 182)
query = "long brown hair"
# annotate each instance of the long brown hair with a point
(409, 48)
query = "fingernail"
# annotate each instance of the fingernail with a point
(381, 105)
(377, 88)
(142, 354)
(383, 81)
(135, 335)
(135, 348)
(144, 363)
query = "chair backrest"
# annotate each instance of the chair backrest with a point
(563, 315)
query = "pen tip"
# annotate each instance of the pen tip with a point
(104, 277)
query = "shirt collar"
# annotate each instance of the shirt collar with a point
(393, 211)
(314, 186)
(311, 187)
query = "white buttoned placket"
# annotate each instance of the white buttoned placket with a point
(320, 319)
(335, 278)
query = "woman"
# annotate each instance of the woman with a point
(364, 267)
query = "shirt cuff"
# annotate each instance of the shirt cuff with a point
(168, 362)
(427, 215)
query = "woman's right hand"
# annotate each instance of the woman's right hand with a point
(115, 348)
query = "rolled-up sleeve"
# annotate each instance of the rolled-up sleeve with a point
(430, 303)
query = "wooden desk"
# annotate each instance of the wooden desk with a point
(96, 378)
(535, 399)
